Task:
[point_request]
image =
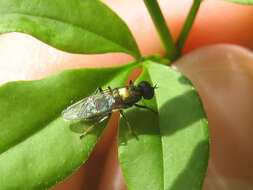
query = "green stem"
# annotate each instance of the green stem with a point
(188, 25)
(162, 28)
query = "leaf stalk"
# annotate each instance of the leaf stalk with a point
(187, 26)
(162, 29)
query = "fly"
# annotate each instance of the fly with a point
(102, 103)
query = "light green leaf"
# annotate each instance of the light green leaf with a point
(37, 147)
(244, 2)
(172, 148)
(76, 26)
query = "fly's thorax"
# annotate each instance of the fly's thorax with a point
(127, 95)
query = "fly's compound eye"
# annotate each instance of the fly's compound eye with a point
(147, 90)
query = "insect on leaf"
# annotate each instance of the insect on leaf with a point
(172, 148)
(37, 147)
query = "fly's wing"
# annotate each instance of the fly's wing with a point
(92, 106)
(74, 111)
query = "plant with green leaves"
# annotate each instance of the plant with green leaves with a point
(38, 149)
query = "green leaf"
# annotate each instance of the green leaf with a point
(244, 2)
(76, 26)
(37, 147)
(172, 148)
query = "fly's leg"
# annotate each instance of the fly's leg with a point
(145, 107)
(94, 125)
(128, 124)
(110, 89)
(99, 89)
(131, 82)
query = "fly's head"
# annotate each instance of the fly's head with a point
(147, 91)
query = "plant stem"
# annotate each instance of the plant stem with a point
(187, 25)
(162, 29)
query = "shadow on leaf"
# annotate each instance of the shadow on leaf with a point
(192, 176)
(80, 126)
(180, 112)
(174, 115)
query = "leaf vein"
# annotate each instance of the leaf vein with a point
(71, 24)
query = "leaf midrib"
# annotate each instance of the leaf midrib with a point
(31, 134)
(57, 116)
(71, 24)
(159, 131)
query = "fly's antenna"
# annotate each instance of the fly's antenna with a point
(155, 87)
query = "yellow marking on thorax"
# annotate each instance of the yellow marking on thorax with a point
(124, 93)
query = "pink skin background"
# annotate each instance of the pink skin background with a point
(222, 73)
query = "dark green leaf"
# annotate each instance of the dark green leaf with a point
(37, 147)
(172, 148)
(244, 2)
(76, 26)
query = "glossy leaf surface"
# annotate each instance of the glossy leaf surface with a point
(37, 147)
(76, 26)
(172, 148)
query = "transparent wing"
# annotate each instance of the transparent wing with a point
(92, 106)
(74, 111)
